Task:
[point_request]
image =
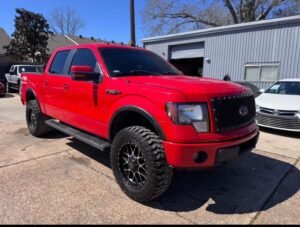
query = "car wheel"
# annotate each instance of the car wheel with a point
(19, 87)
(8, 88)
(36, 119)
(139, 164)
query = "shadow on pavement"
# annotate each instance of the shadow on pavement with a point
(242, 186)
(93, 153)
(54, 134)
(280, 132)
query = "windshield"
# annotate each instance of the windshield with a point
(285, 88)
(24, 69)
(133, 62)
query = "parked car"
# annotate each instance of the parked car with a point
(134, 104)
(4, 68)
(256, 91)
(2, 89)
(279, 106)
(14, 76)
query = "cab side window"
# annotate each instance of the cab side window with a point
(58, 63)
(84, 57)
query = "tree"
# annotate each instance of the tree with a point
(291, 8)
(30, 39)
(171, 16)
(132, 23)
(65, 21)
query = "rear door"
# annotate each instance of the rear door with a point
(85, 98)
(56, 84)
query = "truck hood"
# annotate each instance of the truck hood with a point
(279, 102)
(192, 87)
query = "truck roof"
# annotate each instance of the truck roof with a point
(99, 45)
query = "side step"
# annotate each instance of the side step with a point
(82, 136)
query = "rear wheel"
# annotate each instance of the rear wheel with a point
(19, 87)
(36, 119)
(8, 88)
(139, 164)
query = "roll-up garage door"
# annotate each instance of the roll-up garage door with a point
(191, 50)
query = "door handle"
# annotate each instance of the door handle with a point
(45, 83)
(113, 92)
(66, 86)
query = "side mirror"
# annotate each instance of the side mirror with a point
(262, 90)
(84, 73)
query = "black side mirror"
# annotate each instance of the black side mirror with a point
(85, 73)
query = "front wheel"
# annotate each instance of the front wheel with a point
(139, 164)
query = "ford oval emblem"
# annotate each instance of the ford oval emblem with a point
(243, 111)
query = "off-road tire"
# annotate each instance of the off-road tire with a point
(159, 173)
(37, 128)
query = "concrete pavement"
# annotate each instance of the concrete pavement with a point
(59, 180)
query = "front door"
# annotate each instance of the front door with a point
(84, 97)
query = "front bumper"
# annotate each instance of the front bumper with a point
(206, 155)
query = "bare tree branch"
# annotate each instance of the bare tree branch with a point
(189, 16)
(269, 9)
(65, 21)
(168, 16)
(232, 11)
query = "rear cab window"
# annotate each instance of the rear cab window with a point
(24, 69)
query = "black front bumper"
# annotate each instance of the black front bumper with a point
(227, 154)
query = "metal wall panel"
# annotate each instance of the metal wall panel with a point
(229, 52)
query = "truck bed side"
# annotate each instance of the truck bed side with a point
(32, 83)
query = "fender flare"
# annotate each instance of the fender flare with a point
(30, 90)
(143, 113)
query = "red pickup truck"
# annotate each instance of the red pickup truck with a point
(133, 103)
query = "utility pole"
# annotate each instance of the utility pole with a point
(132, 23)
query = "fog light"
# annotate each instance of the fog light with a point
(200, 157)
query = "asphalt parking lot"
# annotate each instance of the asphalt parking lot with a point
(59, 180)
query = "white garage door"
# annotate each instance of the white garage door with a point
(191, 50)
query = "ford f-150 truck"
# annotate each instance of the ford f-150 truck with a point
(134, 104)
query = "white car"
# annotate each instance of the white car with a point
(279, 106)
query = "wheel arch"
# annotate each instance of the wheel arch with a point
(30, 95)
(120, 121)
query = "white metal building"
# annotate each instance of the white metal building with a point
(260, 52)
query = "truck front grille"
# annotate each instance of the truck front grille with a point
(278, 121)
(233, 112)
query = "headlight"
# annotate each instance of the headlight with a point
(298, 115)
(257, 107)
(189, 114)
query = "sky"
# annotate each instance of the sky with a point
(104, 19)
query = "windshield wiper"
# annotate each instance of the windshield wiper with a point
(144, 71)
(135, 73)
(169, 73)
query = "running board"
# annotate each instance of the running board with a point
(82, 136)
